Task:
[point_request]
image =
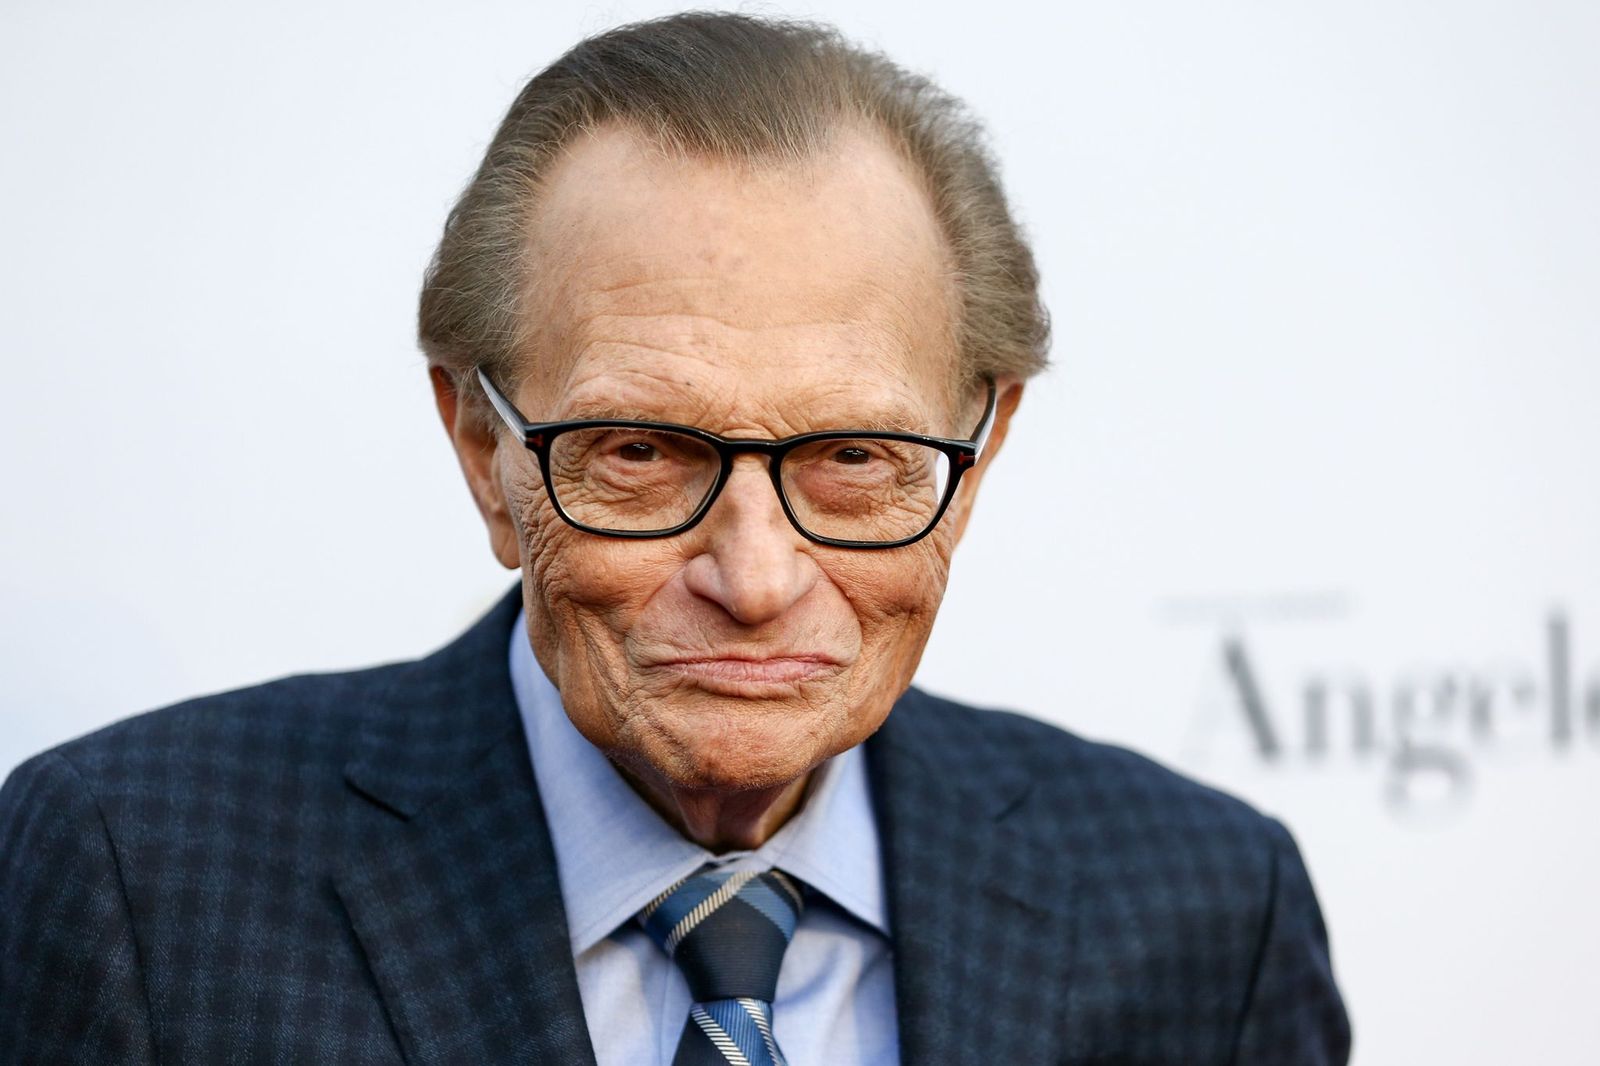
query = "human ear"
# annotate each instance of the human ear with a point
(1008, 394)
(475, 442)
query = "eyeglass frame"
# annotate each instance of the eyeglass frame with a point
(536, 437)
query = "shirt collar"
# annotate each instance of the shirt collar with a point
(614, 854)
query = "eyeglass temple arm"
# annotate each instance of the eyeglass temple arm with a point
(511, 415)
(980, 436)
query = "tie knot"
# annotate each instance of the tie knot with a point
(726, 930)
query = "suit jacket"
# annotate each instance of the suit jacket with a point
(354, 868)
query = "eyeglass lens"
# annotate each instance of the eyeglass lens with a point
(640, 481)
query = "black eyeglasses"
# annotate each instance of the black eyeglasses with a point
(850, 488)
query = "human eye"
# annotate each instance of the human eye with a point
(851, 455)
(625, 455)
(866, 459)
(623, 452)
(857, 457)
(638, 451)
(865, 488)
(855, 467)
(630, 477)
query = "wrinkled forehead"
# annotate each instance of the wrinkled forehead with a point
(789, 275)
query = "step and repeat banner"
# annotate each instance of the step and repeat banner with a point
(1307, 507)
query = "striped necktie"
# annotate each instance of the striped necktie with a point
(727, 931)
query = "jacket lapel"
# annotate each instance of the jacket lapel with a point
(455, 897)
(979, 908)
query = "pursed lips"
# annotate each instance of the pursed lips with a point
(736, 669)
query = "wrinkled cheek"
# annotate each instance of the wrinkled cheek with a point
(923, 590)
(540, 534)
(896, 595)
(556, 584)
(541, 543)
(587, 589)
(898, 586)
(932, 568)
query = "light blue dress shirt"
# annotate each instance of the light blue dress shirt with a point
(614, 854)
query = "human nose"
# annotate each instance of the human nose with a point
(752, 563)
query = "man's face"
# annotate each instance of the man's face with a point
(758, 302)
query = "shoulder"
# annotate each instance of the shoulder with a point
(1123, 818)
(247, 733)
(196, 801)
(1063, 767)
(1168, 876)
(250, 771)
(287, 742)
(1197, 904)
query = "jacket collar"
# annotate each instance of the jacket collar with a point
(433, 719)
(979, 900)
(454, 895)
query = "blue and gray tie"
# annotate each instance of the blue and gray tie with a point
(727, 931)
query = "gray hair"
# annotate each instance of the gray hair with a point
(731, 87)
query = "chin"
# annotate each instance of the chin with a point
(722, 752)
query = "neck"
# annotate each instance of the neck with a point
(721, 821)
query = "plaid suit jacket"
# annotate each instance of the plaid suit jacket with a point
(354, 868)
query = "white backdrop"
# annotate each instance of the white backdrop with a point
(1320, 445)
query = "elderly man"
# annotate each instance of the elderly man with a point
(725, 332)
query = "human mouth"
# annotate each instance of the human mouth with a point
(742, 673)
